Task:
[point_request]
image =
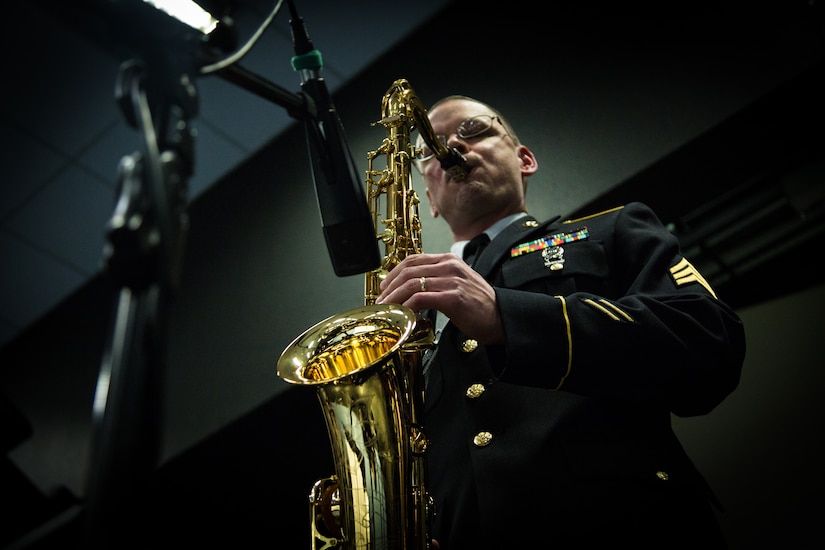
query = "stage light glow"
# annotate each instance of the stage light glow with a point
(187, 12)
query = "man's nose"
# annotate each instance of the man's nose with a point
(455, 142)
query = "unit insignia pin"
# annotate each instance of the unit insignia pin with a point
(553, 257)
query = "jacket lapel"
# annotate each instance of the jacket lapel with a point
(518, 231)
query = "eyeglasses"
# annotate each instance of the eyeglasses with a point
(469, 128)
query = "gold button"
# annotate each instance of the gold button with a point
(475, 390)
(469, 345)
(482, 439)
(662, 475)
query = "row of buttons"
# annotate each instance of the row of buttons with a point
(481, 439)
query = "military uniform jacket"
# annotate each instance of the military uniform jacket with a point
(564, 433)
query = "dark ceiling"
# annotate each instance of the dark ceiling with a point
(63, 132)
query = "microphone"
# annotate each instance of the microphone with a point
(347, 222)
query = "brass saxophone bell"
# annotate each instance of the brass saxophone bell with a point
(366, 366)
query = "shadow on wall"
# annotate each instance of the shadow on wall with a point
(246, 486)
(763, 448)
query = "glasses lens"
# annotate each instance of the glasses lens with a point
(475, 126)
(425, 153)
(470, 128)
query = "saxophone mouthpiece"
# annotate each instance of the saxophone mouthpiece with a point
(454, 164)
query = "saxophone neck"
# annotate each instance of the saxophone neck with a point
(451, 160)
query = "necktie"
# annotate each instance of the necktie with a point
(473, 249)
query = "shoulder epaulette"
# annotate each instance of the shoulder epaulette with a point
(602, 213)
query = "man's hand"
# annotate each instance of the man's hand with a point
(444, 282)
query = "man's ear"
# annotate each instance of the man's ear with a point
(529, 164)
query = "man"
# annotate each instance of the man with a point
(569, 344)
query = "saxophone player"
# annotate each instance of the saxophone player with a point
(566, 346)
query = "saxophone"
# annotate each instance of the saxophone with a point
(366, 365)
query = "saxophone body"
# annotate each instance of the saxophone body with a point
(366, 366)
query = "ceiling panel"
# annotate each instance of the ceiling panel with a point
(62, 134)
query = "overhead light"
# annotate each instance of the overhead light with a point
(187, 12)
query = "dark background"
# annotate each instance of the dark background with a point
(713, 116)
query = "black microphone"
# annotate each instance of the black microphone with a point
(347, 221)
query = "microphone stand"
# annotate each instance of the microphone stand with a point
(144, 255)
(143, 252)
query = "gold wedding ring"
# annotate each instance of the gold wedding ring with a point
(423, 282)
